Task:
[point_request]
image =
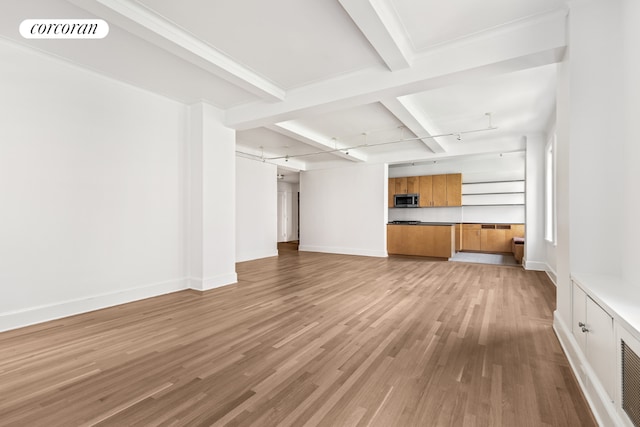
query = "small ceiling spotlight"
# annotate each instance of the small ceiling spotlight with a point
(459, 138)
(286, 158)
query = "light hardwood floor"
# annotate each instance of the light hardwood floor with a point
(306, 339)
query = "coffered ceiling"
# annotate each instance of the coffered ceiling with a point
(322, 83)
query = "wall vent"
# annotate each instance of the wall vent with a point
(631, 384)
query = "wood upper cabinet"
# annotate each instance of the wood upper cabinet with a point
(439, 188)
(434, 190)
(426, 191)
(413, 185)
(401, 185)
(454, 189)
(391, 191)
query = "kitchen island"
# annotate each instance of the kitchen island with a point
(421, 239)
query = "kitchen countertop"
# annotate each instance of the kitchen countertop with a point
(419, 223)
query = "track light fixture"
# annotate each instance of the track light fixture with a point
(345, 150)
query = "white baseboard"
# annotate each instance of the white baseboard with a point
(534, 265)
(207, 283)
(256, 255)
(343, 251)
(601, 405)
(34, 315)
(552, 275)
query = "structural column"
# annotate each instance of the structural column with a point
(534, 258)
(211, 193)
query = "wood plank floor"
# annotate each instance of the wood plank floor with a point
(306, 339)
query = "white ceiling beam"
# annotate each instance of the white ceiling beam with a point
(414, 120)
(515, 47)
(157, 30)
(380, 24)
(322, 143)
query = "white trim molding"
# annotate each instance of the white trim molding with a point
(534, 265)
(207, 283)
(40, 314)
(343, 251)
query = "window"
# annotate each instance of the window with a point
(550, 193)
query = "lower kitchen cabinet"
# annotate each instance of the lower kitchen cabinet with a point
(470, 237)
(490, 237)
(421, 240)
(495, 238)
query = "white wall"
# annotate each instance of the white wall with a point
(344, 210)
(109, 193)
(631, 138)
(92, 181)
(596, 172)
(256, 211)
(596, 141)
(590, 149)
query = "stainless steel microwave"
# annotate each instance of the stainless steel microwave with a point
(406, 200)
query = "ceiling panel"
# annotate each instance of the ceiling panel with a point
(520, 103)
(273, 144)
(124, 57)
(348, 126)
(290, 42)
(431, 22)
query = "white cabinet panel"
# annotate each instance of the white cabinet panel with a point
(601, 345)
(579, 317)
(592, 328)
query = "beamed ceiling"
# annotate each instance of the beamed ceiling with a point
(313, 84)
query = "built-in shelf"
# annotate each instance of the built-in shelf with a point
(502, 204)
(484, 194)
(493, 193)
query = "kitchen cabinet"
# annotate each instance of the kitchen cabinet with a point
(495, 238)
(401, 185)
(421, 240)
(454, 189)
(391, 189)
(439, 190)
(434, 190)
(426, 190)
(592, 327)
(413, 185)
(490, 237)
(471, 237)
